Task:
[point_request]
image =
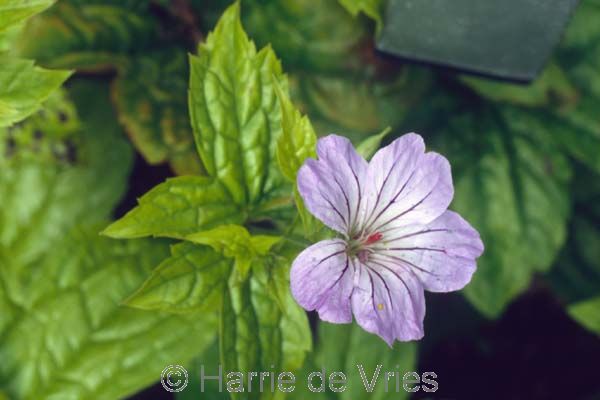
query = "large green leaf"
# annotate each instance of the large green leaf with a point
(569, 87)
(314, 35)
(24, 87)
(14, 11)
(150, 95)
(511, 183)
(88, 34)
(358, 104)
(79, 177)
(234, 110)
(64, 333)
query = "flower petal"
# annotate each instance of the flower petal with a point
(322, 278)
(442, 253)
(389, 303)
(405, 185)
(331, 185)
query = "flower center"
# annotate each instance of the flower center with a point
(359, 247)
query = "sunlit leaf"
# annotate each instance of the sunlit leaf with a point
(66, 334)
(235, 112)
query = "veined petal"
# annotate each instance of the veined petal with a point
(388, 303)
(405, 185)
(442, 253)
(322, 278)
(331, 186)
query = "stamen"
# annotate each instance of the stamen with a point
(374, 238)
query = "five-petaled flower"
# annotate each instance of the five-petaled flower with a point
(398, 237)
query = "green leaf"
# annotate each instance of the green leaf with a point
(91, 34)
(344, 347)
(358, 105)
(295, 29)
(511, 183)
(65, 334)
(298, 140)
(371, 8)
(14, 11)
(551, 88)
(234, 111)
(191, 279)
(178, 207)
(310, 224)
(150, 95)
(24, 87)
(368, 147)
(587, 313)
(210, 360)
(568, 89)
(297, 143)
(575, 276)
(234, 241)
(258, 333)
(64, 170)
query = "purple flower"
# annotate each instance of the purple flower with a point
(398, 238)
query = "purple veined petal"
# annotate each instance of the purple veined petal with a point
(322, 279)
(405, 185)
(331, 186)
(442, 253)
(388, 303)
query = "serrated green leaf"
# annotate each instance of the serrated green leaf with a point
(368, 147)
(150, 95)
(91, 34)
(14, 11)
(178, 207)
(234, 241)
(191, 279)
(24, 87)
(298, 140)
(511, 183)
(65, 334)
(258, 333)
(587, 313)
(310, 224)
(234, 110)
(82, 177)
(371, 8)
